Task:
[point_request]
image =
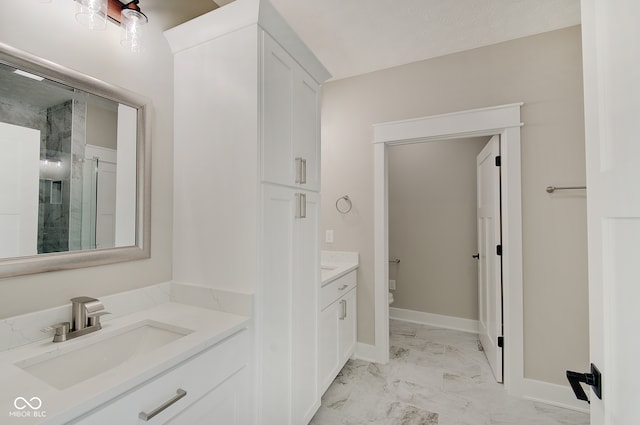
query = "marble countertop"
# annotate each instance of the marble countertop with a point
(58, 406)
(335, 264)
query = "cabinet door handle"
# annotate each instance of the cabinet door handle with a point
(301, 205)
(343, 313)
(146, 416)
(343, 287)
(303, 179)
(301, 170)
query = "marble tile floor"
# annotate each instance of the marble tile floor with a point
(434, 376)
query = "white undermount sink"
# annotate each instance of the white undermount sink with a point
(71, 364)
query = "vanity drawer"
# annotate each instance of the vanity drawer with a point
(197, 376)
(337, 288)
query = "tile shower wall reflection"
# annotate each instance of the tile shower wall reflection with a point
(53, 217)
(62, 144)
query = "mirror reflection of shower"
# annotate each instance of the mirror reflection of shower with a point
(60, 149)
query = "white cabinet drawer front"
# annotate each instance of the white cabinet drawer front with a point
(334, 290)
(197, 376)
(227, 404)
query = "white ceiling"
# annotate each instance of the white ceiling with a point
(352, 37)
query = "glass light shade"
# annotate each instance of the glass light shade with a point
(92, 14)
(132, 24)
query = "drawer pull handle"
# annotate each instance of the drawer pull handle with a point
(343, 287)
(146, 416)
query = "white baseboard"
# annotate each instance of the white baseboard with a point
(366, 352)
(553, 394)
(438, 320)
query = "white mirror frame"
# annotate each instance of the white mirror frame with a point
(67, 260)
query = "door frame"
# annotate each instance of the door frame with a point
(503, 120)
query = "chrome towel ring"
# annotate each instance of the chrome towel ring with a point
(345, 206)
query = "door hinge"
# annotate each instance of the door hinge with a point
(498, 161)
(594, 379)
(500, 341)
(499, 249)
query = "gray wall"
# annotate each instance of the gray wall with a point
(102, 126)
(545, 72)
(60, 39)
(433, 227)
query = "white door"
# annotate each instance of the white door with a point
(611, 58)
(305, 289)
(347, 324)
(306, 123)
(291, 272)
(276, 315)
(19, 175)
(278, 70)
(490, 265)
(106, 205)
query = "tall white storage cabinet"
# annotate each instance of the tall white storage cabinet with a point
(246, 182)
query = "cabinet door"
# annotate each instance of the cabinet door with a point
(289, 307)
(306, 285)
(276, 315)
(329, 354)
(347, 325)
(306, 127)
(290, 120)
(278, 69)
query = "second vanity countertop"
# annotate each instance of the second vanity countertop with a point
(207, 328)
(335, 264)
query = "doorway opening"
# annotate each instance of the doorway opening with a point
(444, 228)
(503, 121)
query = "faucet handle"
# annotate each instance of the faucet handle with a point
(94, 318)
(61, 331)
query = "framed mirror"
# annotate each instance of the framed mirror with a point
(75, 181)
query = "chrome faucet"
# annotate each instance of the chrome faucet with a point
(85, 318)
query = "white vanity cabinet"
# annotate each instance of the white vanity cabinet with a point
(337, 326)
(246, 182)
(212, 387)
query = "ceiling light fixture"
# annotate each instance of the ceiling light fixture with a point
(94, 13)
(132, 22)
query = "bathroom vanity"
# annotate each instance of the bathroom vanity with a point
(170, 363)
(338, 313)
